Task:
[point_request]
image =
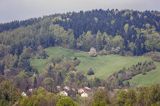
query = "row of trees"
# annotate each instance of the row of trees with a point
(119, 79)
(16, 24)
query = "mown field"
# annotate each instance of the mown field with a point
(103, 66)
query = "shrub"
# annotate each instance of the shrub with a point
(66, 101)
(90, 72)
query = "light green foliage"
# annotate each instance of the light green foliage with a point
(126, 98)
(21, 80)
(132, 46)
(126, 27)
(142, 96)
(66, 101)
(99, 41)
(22, 75)
(100, 98)
(8, 93)
(10, 61)
(153, 41)
(39, 98)
(48, 83)
(112, 22)
(65, 38)
(117, 41)
(121, 97)
(86, 41)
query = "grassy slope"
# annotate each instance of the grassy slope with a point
(103, 65)
(150, 78)
(106, 65)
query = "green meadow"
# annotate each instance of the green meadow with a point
(103, 66)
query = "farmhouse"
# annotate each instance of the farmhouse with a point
(66, 88)
(81, 90)
(24, 94)
(63, 93)
(84, 95)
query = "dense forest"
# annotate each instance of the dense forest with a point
(132, 31)
(102, 32)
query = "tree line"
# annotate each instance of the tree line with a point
(133, 31)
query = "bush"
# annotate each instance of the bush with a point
(40, 97)
(66, 101)
(156, 58)
(8, 93)
(100, 98)
(90, 72)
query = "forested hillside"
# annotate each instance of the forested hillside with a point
(92, 57)
(128, 30)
